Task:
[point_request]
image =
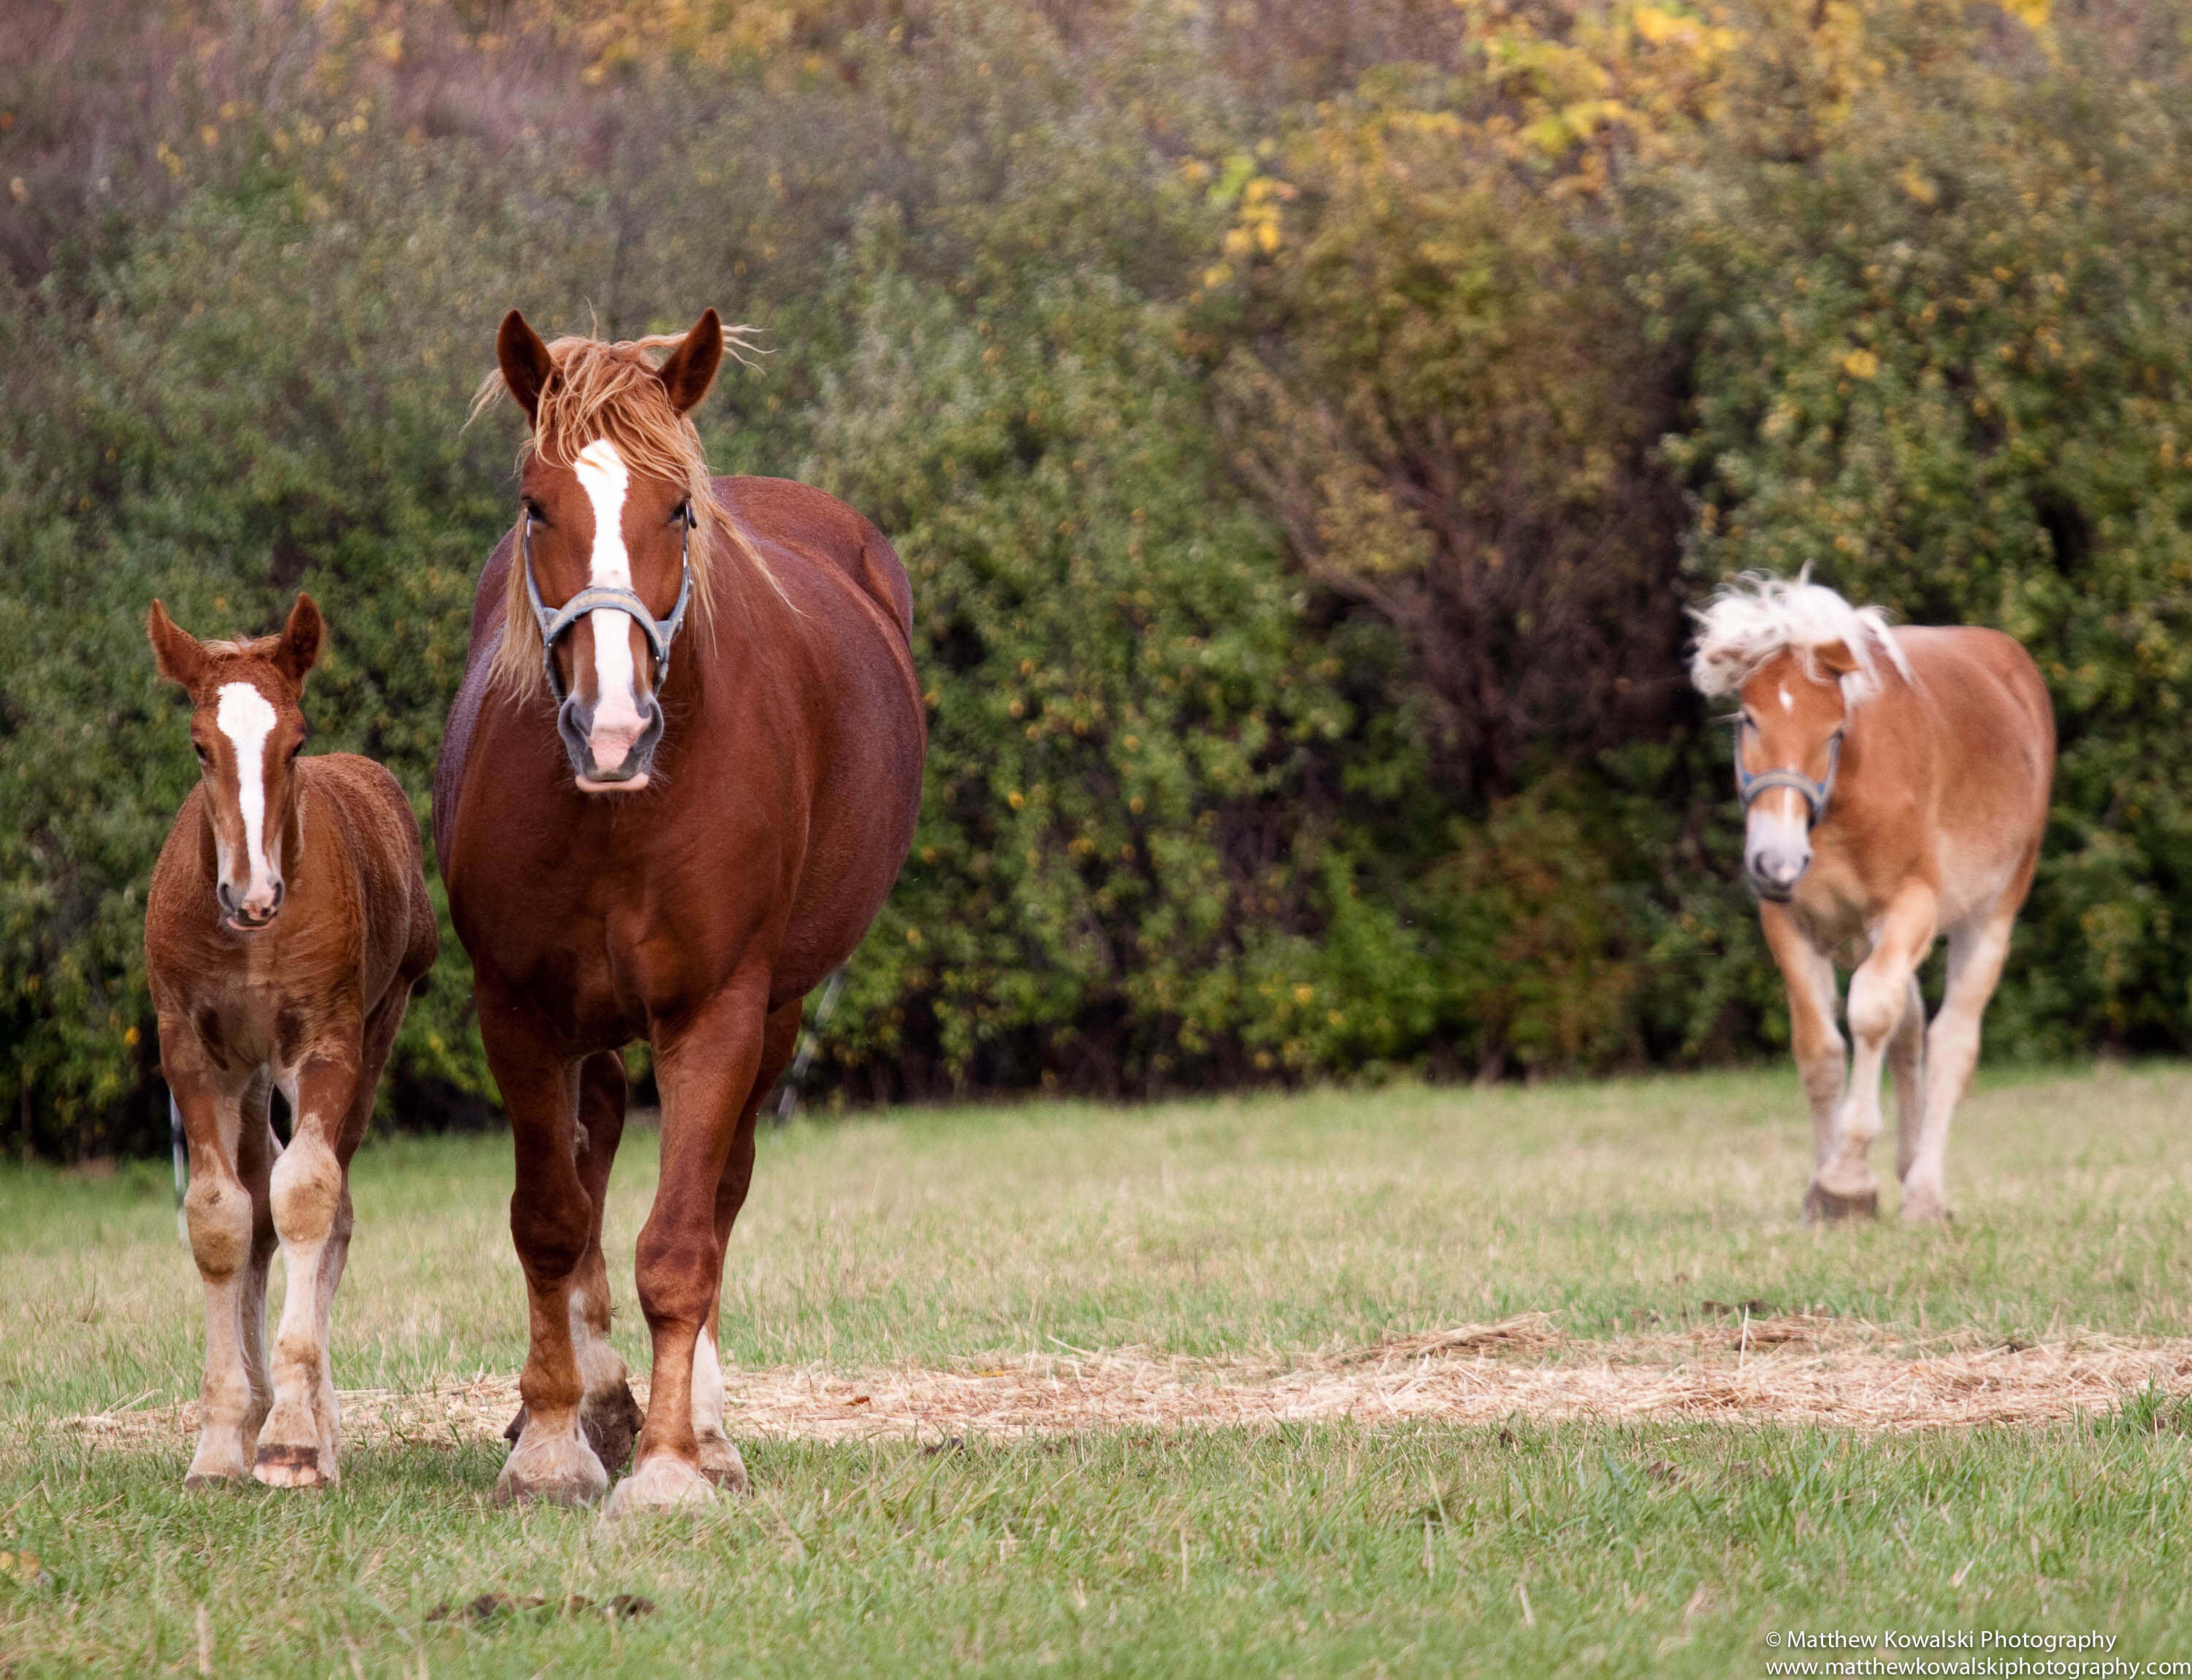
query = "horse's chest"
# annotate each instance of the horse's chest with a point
(248, 1023)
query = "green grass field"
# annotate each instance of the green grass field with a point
(1275, 1228)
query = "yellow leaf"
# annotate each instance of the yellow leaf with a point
(1861, 364)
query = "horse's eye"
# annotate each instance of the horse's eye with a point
(682, 513)
(204, 758)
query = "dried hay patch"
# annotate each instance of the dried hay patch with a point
(1784, 1369)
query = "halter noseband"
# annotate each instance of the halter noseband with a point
(556, 624)
(1749, 785)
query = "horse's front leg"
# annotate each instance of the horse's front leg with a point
(308, 1189)
(707, 1072)
(1809, 975)
(719, 1459)
(1879, 993)
(1976, 955)
(550, 1218)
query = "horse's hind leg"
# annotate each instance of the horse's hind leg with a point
(719, 1457)
(1879, 994)
(1976, 953)
(550, 1215)
(1906, 1061)
(609, 1415)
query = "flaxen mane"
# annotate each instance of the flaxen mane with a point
(1753, 617)
(600, 390)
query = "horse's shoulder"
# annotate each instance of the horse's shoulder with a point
(785, 518)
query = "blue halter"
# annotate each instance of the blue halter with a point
(1749, 785)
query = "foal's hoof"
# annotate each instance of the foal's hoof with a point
(1822, 1204)
(662, 1483)
(286, 1466)
(551, 1470)
(721, 1464)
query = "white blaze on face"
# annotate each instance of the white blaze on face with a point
(246, 716)
(616, 721)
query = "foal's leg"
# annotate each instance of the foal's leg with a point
(310, 1191)
(550, 1215)
(218, 1209)
(1976, 951)
(719, 1459)
(1879, 993)
(1809, 973)
(257, 1149)
(1906, 1061)
(707, 1075)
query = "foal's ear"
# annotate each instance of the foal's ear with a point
(526, 363)
(300, 647)
(174, 649)
(691, 369)
(1835, 659)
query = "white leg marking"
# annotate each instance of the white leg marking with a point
(246, 716)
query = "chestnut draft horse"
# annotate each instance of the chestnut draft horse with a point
(1895, 787)
(288, 923)
(653, 834)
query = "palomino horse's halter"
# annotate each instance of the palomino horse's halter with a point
(1751, 785)
(555, 625)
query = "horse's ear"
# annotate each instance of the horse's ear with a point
(174, 649)
(526, 363)
(300, 647)
(1835, 659)
(691, 369)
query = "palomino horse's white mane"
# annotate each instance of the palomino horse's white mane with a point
(1755, 616)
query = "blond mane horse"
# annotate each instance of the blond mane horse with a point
(1895, 785)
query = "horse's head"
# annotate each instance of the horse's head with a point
(245, 727)
(1789, 735)
(606, 541)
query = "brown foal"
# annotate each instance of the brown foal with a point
(288, 923)
(678, 782)
(1895, 784)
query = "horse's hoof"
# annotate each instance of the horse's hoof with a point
(1822, 1204)
(201, 1477)
(721, 1464)
(662, 1483)
(610, 1422)
(1923, 1207)
(284, 1466)
(554, 1470)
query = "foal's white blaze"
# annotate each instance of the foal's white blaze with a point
(246, 716)
(616, 723)
(1788, 700)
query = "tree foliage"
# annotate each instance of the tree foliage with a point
(1305, 426)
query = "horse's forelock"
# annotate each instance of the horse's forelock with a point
(599, 390)
(1755, 616)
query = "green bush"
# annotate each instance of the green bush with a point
(1303, 425)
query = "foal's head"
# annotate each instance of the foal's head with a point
(616, 522)
(247, 728)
